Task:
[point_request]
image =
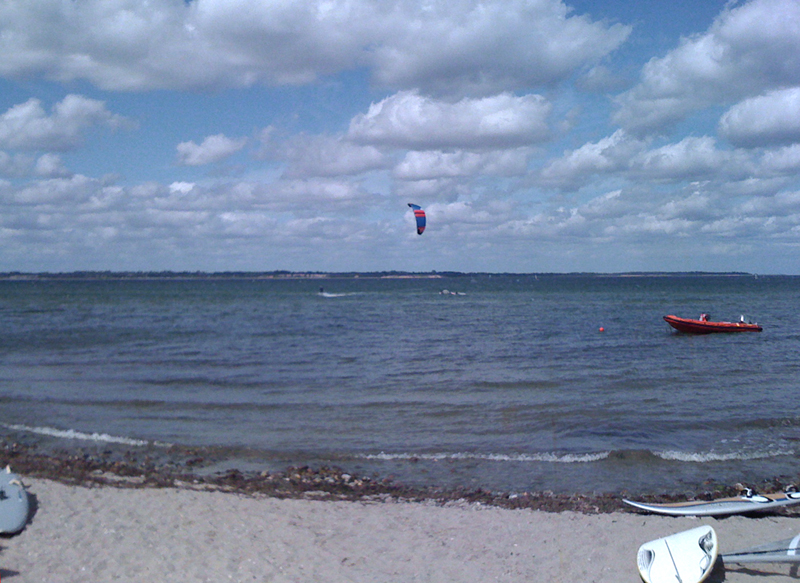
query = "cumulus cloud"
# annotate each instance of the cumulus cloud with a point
(691, 158)
(766, 120)
(410, 120)
(698, 206)
(623, 216)
(213, 149)
(782, 203)
(781, 161)
(180, 211)
(61, 192)
(429, 165)
(28, 127)
(482, 48)
(606, 206)
(575, 168)
(749, 49)
(14, 165)
(51, 166)
(299, 194)
(323, 155)
(461, 47)
(303, 217)
(621, 156)
(181, 187)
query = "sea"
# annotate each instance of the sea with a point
(508, 383)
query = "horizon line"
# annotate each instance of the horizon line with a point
(386, 274)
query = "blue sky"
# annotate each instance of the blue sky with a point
(539, 135)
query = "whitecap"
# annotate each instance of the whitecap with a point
(492, 457)
(73, 434)
(712, 456)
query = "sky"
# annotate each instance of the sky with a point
(538, 135)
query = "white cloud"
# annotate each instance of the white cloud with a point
(303, 220)
(15, 165)
(432, 188)
(51, 166)
(300, 194)
(69, 192)
(781, 161)
(691, 158)
(28, 127)
(771, 119)
(428, 165)
(611, 205)
(459, 47)
(213, 149)
(181, 187)
(750, 49)
(609, 154)
(323, 155)
(183, 217)
(781, 204)
(482, 48)
(623, 157)
(697, 206)
(688, 158)
(409, 120)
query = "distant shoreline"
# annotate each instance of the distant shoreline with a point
(319, 275)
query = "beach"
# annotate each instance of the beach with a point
(186, 533)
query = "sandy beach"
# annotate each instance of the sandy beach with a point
(104, 533)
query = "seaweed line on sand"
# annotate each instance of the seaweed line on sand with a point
(321, 483)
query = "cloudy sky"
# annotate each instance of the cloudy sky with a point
(539, 135)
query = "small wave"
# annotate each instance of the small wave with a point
(72, 434)
(492, 457)
(705, 457)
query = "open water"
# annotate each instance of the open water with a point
(511, 386)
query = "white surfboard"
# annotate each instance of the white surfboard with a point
(13, 502)
(685, 557)
(748, 501)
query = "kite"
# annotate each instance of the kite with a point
(419, 214)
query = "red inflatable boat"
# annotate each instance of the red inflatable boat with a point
(705, 326)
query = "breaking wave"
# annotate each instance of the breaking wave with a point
(666, 455)
(705, 457)
(72, 434)
(492, 457)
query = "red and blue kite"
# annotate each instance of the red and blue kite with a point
(419, 214)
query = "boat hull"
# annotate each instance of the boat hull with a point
(690, 326)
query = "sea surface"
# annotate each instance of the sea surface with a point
(568, 383)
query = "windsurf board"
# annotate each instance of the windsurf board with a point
(747, 501)
(13, 502)
(687, 556)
